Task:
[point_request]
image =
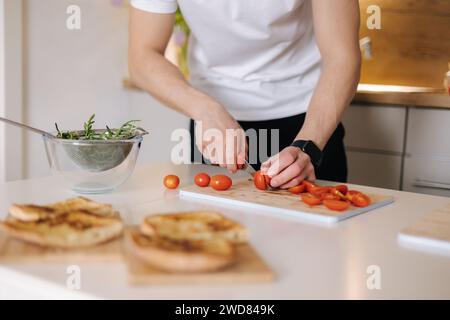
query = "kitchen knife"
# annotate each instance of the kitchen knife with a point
(249, 169)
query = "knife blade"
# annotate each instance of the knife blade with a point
(249, 169)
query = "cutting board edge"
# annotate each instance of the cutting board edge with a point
(301, 215)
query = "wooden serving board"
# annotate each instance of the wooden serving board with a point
(248, 268)
(17, 251)
(281, 202)
(431, 231)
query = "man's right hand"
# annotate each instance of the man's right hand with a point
(220, 138)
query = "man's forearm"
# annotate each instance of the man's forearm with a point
(152, 72)
(334, 92)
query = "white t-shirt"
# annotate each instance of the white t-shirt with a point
(259, 58)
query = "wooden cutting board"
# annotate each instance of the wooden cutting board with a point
(249, 268)
(431, 231)
(17, 251)
(281, 202)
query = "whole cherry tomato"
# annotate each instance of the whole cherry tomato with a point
(171, 181)
(336, 205)
(311, 199)
(202, 179)
(261, 181)
(297, 189)
(221, 182)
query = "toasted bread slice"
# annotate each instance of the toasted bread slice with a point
(195, 225)
(72, 229)
(186, 256)
(31, 212)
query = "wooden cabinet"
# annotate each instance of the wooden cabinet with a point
(374, 142)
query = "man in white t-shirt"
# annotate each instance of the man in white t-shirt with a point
(291, 65)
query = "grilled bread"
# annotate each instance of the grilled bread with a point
(187, 256)
(73, 223)
(196, 225)
(30, 212)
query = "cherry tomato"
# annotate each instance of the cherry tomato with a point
(311, 199)
(330, 196)
(221, 182)
(202, 179)
(261, 181)
(342, 188)
(319, 191)
(309, 185)
(360, 200)
(298, 189)
(336, 205)
(171, 181)
(337, 193)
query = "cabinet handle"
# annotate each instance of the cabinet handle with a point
(431, 184)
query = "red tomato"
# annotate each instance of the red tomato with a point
(330, 196)
(342, 188)
(309, 185)
(261, 181)
(311, 199)
(297, 189)
(360, 200)
(319, 191)
(171, 181)
(337, 193)
(336, 205)
(221, 182)
(202, 179)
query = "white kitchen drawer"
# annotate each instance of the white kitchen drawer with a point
(376, 127)
(429, 133)
(426, 175)
(377, 170)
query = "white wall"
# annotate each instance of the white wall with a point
(72, 74)
(11, 72)
(2, 89)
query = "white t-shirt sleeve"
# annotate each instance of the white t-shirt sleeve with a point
(156, 6)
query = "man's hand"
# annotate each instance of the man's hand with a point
(220, 138)
(289, 168)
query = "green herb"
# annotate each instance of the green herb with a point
(88, 131)
(126, 131)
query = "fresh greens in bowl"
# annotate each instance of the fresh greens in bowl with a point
(126, 131)
(99, 150)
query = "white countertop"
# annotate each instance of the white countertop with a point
(310, 261)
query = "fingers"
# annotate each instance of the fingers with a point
(294, 173)
(281, 161)
(291, 172)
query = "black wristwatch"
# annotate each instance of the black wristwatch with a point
(311, 149)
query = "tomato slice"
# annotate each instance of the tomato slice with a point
(330, 196)
(309, 185)
(319, 191)
(342, 188)
(311, 199)
(297, 189)
(336, 205)
(360, 200)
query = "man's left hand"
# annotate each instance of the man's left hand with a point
(289, 168)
